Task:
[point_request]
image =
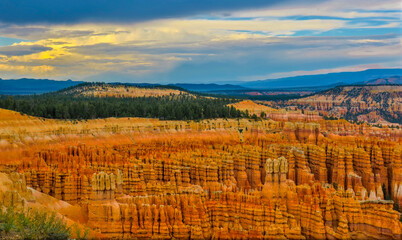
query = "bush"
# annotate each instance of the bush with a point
(7, 221)
(79, 234)
(33, 225)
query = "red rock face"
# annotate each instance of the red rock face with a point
(295, 116)
(373, 104)
(223, 179)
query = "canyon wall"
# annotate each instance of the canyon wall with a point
(213, 179)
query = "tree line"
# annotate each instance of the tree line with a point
(178, 107)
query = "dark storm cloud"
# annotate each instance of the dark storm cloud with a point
(73, 11)
(20, 50)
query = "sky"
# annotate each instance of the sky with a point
(186, 41)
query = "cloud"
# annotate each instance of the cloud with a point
(334, 8)
(123, 11)
(194, 50)
(21, 50)
(41, 70)
(297, 54)
(222, 44)
(4, 41)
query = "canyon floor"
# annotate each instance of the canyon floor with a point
(293, 176)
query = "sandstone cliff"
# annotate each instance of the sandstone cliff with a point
(213, 179)
(374, 103)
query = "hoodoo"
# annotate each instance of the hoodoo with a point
(201, 180)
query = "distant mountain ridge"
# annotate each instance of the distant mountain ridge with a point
(313, 83)
(208, 87)
(26, 86)
(324, 79)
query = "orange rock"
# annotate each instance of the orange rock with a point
(222, 179)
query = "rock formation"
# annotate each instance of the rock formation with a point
(371, 103)
(213, 179)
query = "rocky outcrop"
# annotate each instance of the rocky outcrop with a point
(217, 202)
(372, 104)
(13, 191)
(215, 179)
(295, 116)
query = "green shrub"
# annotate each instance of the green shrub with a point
(80, 235)
(7, 221)
(41, 225)
(33, 225)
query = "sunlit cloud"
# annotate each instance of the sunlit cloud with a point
(232, 45)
